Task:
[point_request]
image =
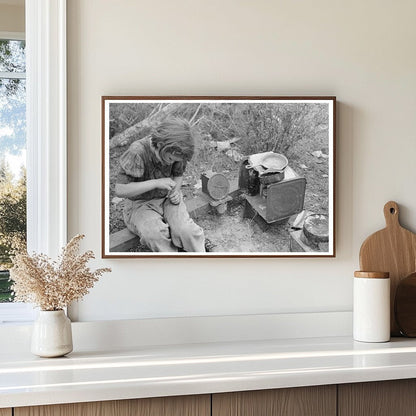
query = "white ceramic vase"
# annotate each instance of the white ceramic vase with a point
(52, 334)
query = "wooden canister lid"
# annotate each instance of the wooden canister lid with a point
(372, 275)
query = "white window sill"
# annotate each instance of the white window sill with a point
(16, 313)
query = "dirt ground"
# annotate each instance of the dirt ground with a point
(233, 233)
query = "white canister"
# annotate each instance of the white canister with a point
(371, 310)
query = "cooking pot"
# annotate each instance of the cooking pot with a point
(269, 178)
(315, 228)
(275, 162)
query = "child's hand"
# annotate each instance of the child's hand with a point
(165, 183)
(175, 197)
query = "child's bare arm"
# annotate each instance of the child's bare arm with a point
(133, 189)
(178, 182)
(175, 193)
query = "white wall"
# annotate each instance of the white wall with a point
(363, 52)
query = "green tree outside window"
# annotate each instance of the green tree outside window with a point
(12, 155)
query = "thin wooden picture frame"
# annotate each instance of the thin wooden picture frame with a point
(233, 188)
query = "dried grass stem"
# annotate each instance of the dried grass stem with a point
(53, 285)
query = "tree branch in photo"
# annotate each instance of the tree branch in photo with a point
(129, 135)
(195, 114)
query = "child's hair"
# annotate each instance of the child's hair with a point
(175, 136)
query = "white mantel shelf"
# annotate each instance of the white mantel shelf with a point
(151, 371)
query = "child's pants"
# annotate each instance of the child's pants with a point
(163, 226)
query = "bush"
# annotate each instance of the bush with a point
(12, 214)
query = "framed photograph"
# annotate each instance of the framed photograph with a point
(218, 177)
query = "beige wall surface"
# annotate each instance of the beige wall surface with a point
(12, 18)
(363, 52)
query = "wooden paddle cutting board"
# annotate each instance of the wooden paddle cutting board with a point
(393, 250)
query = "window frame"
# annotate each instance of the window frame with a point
(46, 135)
(46, 125)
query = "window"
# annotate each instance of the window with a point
(46, 134)
(12, 153)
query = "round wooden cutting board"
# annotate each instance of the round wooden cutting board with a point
(393, 250)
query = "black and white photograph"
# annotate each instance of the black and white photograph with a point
(218, 176)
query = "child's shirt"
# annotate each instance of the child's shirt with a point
(139, 163)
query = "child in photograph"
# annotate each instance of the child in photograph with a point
(150, 180)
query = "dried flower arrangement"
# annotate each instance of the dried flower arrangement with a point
(53, 285)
